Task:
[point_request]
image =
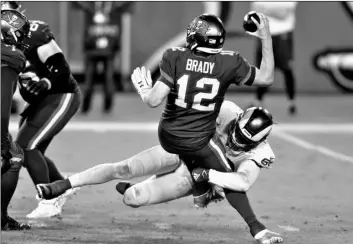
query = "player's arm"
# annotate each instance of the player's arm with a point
(153, 96)
(265, 74)
(52, 56)
(242, 180)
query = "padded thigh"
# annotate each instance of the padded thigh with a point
(154, 160)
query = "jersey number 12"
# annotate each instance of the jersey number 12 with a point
(196, 104)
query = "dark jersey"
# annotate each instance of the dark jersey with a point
(40, 34)
(12, 57)
(198, 85)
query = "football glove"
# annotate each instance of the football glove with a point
(200, 175)
(141, 78)
(33, 84)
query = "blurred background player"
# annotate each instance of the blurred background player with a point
(53, 97)
(12, 63)
(281, 16)
(101, 44)
(172, 179)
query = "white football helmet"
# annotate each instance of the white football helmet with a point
(250, 129)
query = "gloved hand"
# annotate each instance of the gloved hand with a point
(141, 78)
(200, 175)
(33, 84)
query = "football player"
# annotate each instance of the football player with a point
(172, 179)
(14, 28)
(194, 80)
(53, 97)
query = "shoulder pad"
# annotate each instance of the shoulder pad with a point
(263, 155)
(40, 34)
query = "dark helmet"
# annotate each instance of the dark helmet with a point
(206, 33)
(14, 27)
(250, 129)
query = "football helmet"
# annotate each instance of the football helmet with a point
(14, 27)
(206, 33)
(250, 129)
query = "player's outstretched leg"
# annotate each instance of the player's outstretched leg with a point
(151, 161)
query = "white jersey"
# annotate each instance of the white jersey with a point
(260, 155)
(281, 15)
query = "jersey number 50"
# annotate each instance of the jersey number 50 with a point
(196, 104)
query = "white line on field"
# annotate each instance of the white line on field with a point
(309, 146)
(97, 126)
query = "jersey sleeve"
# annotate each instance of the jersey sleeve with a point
(167, 68)
(243, 72)
(263, 155)
(41, 34)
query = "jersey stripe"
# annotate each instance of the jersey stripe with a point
(218, 151)
(167, 77)
(55, 118)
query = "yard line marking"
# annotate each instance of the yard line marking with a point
(309, 146)
(99, 126)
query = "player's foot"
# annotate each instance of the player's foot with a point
(121, 187)
(203, 200)
(268, 237)
(53, 207)
(47, 209)
(8, 223)
(53, 190)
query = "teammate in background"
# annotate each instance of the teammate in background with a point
(12, 63)
(194, 80)
(172, 179)
(53, 97)
(281, 16)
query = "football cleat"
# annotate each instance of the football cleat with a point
(9, 224)
(268, 237)
(121, 187)
(203, 200)
(53, 207)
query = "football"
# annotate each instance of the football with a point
(248, 24)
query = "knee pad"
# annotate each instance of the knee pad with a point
(136, 196)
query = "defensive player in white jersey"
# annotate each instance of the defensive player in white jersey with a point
(171, 178)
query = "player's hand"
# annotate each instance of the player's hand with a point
(33, 84)
(263, 28)
(141, 78)
(200, 175)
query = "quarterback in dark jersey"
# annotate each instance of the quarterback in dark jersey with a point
(14, 27)
(53, 97)
(194, 81)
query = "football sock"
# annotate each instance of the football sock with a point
(54, 173)
(36, 166)
(240, 201)
(290, 83)
(8, 186)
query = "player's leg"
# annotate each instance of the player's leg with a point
(109, 87)
(160, 189)
(151, 161)
(89, 83)
(214, 158)
(44, 122)
(284, 63)
(9, 168)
